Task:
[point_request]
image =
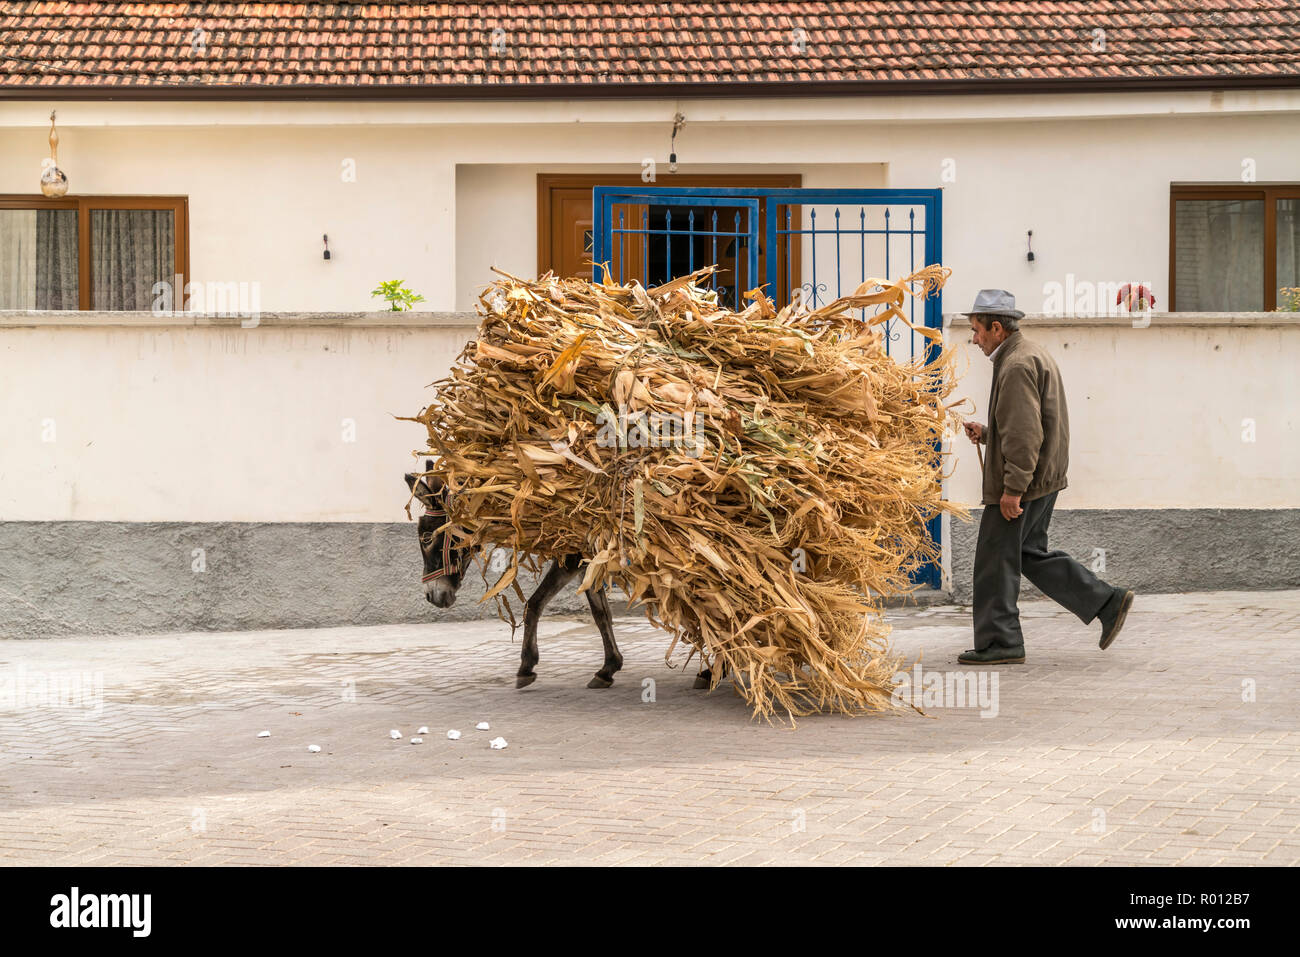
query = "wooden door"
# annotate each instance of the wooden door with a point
(571, 233)
(572, 238)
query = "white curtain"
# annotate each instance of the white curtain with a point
(17, 259)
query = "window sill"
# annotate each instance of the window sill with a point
(36, 319)
(1139, 320)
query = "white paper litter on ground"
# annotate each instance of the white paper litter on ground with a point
(264, 734)
(395, 734)
(482, 726)
(497, 744)
(314, 748)
(454, 735)
(423, 730)
(417, 740)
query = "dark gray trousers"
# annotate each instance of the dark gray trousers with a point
(1006, 550)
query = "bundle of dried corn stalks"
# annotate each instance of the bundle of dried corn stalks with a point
(756, 479)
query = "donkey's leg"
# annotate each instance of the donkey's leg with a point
(599, 603)
(557, 576)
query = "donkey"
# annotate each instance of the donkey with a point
(444, 564)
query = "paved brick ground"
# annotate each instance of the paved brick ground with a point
(1145, 754)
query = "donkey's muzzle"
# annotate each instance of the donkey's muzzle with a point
(440, 593)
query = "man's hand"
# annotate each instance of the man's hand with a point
(974, 432)
(1010, 506)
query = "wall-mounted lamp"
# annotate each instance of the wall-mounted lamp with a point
(679, 120)
(1030, 257)
(327, 246)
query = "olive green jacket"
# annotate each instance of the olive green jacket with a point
(1028, 433)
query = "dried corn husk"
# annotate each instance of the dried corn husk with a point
(762, 535)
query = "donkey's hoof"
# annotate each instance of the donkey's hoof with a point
(599, 682)
(704, 680)
(523, 681)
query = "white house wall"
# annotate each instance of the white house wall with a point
(265, 181)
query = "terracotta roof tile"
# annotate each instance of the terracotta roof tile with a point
(623, 46)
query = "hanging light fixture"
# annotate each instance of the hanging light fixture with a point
(53, 181)
(679, 120)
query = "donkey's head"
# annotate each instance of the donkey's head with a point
(443, 560)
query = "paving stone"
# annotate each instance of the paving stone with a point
(166, 766)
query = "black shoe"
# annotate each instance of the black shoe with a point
(1112, 616)
(993, 655)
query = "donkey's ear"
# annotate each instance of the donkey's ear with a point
(428, 465)
(410, 480)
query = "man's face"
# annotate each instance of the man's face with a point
(987, 339)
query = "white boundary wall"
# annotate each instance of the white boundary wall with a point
(291, 421)
(147, 422)
(1192, 411)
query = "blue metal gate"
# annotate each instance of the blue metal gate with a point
(819, 237)
(795, 242)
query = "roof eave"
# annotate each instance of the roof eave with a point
(623, 90)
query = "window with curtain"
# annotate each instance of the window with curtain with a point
(102, 253)
(1234, 248)
(1220, 249)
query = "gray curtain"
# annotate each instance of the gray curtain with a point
(1288, 244)
(130, 250)
(1220, 255)
(57, 281)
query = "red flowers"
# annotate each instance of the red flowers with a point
(1139, 297)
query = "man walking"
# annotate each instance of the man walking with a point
(1028, 440)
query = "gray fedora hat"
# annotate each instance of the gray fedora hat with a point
(995, 302)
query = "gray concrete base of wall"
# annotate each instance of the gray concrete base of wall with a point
(1162, 550)
(86, 578)
(63, 578)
